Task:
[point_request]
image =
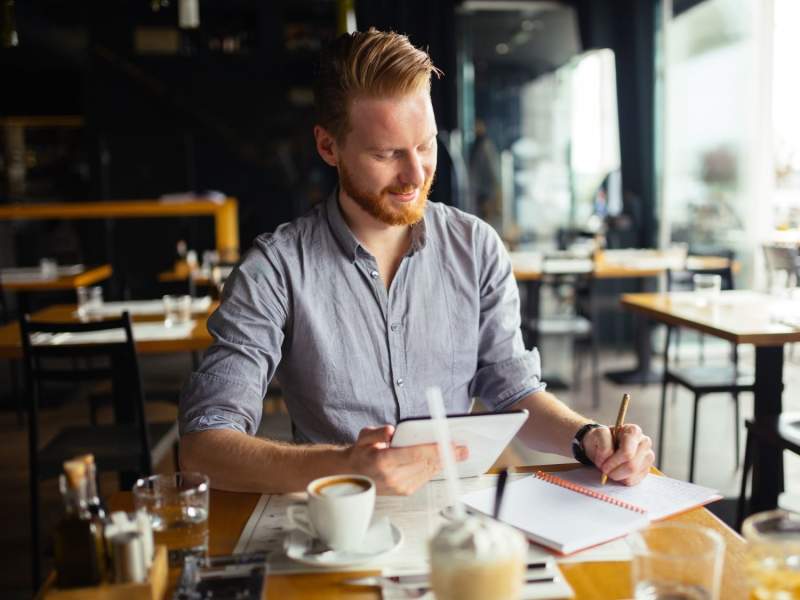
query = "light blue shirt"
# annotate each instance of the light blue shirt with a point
(307, 304)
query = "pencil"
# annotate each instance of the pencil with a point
(623, 408)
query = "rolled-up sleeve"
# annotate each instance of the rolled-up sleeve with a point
(506, 371)
(227, 390)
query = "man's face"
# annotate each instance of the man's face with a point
(387, 161)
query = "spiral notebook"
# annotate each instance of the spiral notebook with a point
(571, 511)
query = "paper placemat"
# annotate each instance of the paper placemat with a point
(418, 516)
(32, 274)
(142, 332)
(145, 307)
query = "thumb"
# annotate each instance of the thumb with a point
(375, 435)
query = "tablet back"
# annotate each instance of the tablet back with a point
(485, 434)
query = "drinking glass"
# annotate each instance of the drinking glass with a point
(90, 299)
(177, 505)
(48, 267)
(773, 554)
(677, 561)
(706, 288)
(177, 310)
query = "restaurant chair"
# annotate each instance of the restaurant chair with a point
(704, 379)
(783, 263)
(16, 397)
(783, 260)
(783, 432)
(130, 446)
(572, 281)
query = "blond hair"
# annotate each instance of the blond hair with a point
(373, 64)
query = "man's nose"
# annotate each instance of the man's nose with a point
(413, 171)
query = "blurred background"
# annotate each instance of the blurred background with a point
(651, 122)
(141, 139)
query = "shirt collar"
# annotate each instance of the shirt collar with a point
(341, 231)
(350, 243)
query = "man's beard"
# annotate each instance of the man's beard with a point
(381, 207)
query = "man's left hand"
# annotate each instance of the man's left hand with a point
(633, 458)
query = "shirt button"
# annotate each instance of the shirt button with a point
(374, 274)
(395, 327)
(400, 382)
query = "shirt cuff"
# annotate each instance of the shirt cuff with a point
(212, 402)
(501, 385)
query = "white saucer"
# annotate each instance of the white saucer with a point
(298, 543)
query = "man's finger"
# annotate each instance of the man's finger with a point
(636, 469)
(628, 442)
(375, 435)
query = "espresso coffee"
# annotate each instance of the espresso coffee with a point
(344, 486)
(338, 512)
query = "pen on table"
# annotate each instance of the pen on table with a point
(498, 492)
(623, 408)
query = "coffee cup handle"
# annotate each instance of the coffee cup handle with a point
(298, 516)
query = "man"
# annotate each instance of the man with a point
(368, 300)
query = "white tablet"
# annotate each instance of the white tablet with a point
(485, 434)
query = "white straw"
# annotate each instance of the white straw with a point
(439, 418)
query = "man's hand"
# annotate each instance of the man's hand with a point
(632, 460)
(396, 471)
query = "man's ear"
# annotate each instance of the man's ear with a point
(326, 145)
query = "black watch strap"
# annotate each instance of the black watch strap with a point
(577, 444)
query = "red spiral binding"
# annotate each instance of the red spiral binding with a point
(556, 480)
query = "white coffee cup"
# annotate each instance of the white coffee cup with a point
(338, 512)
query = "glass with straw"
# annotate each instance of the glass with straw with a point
(472, 558)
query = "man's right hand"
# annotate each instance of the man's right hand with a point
(396, 471)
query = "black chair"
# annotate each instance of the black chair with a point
(571, 279)
(703, 379)
(781, 432)
(130, 446)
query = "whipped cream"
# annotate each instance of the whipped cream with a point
(477, 538)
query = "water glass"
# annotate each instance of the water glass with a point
(177, 310)
(677, 560)
(48, 267)
(177, 505)
(90, 300)
(706, 288)
(773, 554)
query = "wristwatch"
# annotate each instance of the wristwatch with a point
(577, 444)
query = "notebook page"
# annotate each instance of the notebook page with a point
(659, 496)
(557, 517)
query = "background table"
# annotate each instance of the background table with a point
(230, 511)
(59, 282)
(199, 339)
(638, 264)
(741, 317)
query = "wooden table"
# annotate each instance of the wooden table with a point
(656, 264)
(230, 511)
(225, 214)
(626, 264)
(85, 277)
(60, 282)
(200, 339)
(741, 317)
